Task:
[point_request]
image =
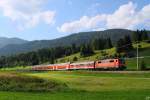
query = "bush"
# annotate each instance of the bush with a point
(143, 65)
(12, 82)
(75, 58)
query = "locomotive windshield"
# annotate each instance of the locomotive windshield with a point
(122, 61)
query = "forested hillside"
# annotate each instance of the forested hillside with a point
(77, 38)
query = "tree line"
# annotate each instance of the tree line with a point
(46, 55)
(140, 35)
(125, 44)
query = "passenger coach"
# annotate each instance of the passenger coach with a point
(99, 64)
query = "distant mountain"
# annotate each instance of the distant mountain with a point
(77, 38)
(9, 41)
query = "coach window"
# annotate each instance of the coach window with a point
(99, 62)
(111, 61)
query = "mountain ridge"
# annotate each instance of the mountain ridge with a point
(77, 38)
(4, 41)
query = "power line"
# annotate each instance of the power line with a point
(141, 57)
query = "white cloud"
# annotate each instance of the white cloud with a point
(84, 23)
(26, 13)
(123, 17)
(144, 15)
(126, 16)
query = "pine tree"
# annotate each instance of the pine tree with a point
(144, 35)
(95, 44)
(86, 50)
(75, 58)
(108, 43)
(136, 36)
(89, 49)
(102, 44)
(82, 50)
(73, 48)
(120, 46)
(128, 43)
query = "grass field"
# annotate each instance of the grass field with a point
(88, 85)
(95, 81)
(109, 95)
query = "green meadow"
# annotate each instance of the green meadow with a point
(87, 85)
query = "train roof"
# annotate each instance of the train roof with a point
(51, 64)
(59, 64)
(85, 62)
(107, 59)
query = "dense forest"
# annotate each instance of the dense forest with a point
(49, 55)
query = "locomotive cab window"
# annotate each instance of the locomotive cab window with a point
(122, 61)
(99, 62)
(111, 61)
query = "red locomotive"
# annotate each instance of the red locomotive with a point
(100, 64)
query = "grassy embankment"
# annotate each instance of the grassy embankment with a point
(88, 85)
(11, 81)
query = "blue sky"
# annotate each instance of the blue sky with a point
(50, 19)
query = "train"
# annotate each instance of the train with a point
(107, 64)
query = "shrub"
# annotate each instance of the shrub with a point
(12, 82)
(143, 65)
(75, 58)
